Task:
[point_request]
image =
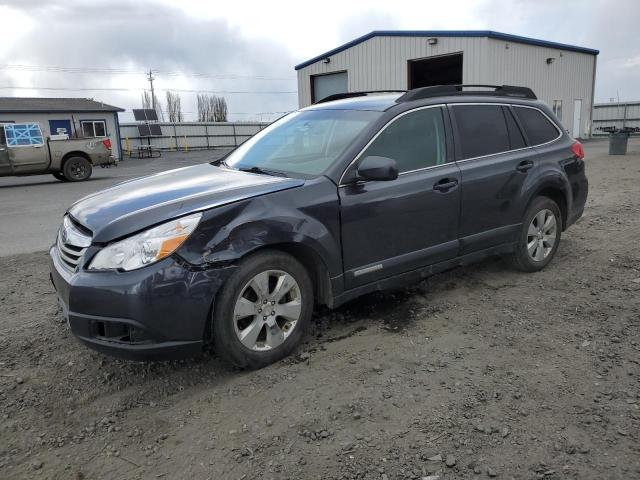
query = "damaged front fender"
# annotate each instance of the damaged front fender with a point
(307, 216)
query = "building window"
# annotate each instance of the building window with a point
(557, 108)
(93, 128)
(23, 135)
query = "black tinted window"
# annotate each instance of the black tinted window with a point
(516, 140)
(537, 127)
(482, 130)
(415, 140)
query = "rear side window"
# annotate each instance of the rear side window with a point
(482, 130)
(537, 127)
(415, 140)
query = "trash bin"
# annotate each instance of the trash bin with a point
(618, 143)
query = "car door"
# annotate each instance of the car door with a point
(391, 227)
(494, 163)
(28, 151)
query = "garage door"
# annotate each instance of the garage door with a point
(324, 85)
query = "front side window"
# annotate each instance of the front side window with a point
(482, 130)
(536, 125)
(94, 128)
(304, 143)
(415, 140)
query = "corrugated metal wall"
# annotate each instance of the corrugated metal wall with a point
(623, 114)
(568, 78)
(198, 135)
(381, 62)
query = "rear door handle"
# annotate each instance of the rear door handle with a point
(445, 184)
(524, 166)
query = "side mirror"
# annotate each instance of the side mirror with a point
(377, 168)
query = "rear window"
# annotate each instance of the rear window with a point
(537, 127)
(482, 130)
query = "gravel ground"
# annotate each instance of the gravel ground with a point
(479, 372)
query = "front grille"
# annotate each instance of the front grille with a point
(71, 243)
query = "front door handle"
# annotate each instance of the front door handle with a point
(445, 184)
(524, 166)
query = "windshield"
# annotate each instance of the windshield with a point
(305, 142)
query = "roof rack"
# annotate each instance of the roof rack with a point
(454, 90)
(340, 96)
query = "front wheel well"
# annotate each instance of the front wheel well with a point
(312, 262)
(557, 196)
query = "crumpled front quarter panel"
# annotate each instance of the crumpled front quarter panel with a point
(307, 215)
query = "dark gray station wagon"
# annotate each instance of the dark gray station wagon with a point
(354, 194)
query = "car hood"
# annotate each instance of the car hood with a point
(140, 203)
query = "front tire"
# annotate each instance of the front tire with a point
(263, 310)
(540, 236)
(59, 176)
(77, 169)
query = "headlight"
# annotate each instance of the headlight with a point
(146, 247)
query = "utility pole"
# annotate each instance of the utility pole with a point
(153, 96)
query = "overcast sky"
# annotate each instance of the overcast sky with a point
(242, 46)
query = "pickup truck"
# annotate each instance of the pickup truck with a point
(24, 150)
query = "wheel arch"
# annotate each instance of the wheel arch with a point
(556, 192)
(75, 153)
(311, 260)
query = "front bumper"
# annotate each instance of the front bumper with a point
(158, 312)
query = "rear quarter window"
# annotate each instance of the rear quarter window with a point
(537, 126)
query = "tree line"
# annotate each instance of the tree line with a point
(210, 107)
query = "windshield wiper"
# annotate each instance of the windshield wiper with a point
(263, 171)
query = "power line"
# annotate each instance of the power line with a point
(120, 71)
(178, 90)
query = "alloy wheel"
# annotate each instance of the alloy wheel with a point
(267, 310)
(542, 235)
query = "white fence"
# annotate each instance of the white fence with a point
(190, 135)
(623, 114)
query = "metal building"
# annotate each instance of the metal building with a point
(561, 75)
(615, 114)
(76, 117)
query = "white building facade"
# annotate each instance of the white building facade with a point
(561, 75)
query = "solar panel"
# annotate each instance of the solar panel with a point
(155, 129)
(144, 130)
(145, 114)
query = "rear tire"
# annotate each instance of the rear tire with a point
(59, 176)
(77, 169)
(262, 311)
(540, 236)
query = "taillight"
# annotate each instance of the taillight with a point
(578, 150)
(107, 144)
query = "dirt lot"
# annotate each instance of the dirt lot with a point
(475, 373)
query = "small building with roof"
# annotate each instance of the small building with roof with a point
(76, 117)
(561, 75)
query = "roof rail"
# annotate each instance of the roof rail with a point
(340, 96)
(453, 90)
